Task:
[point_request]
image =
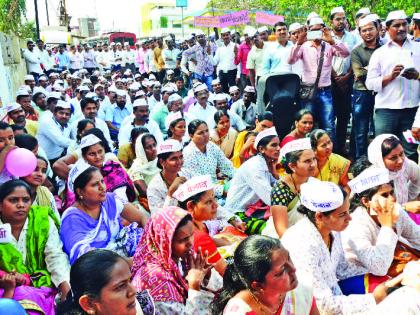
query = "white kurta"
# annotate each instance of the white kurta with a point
(311, 256)
(251, 182)
(371, 246)
(157, 193)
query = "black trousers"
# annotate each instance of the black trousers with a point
(227, 79)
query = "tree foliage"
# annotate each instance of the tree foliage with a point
(297, 11)
(13, 19)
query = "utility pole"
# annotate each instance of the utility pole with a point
(64, 17)
(36, 18)
(46, 10)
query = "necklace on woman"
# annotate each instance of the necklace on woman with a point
(265, 308)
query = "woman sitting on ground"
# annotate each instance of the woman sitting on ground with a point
(93, 278)
(315, 247)
(198, 198)
(386, 151)
(262, 280)
(126, 152)
(223, 135)
(115, 177)
(249, 192)
(300, 165)
(380, 229)
(41, 195)
(167, 181)
(31, 143)
(63, 165)
(32, 263)
(94, 220)
(166, 265)
(202, 157)
(304, 122)
(144, 167)
(176, 127)
(331, 167)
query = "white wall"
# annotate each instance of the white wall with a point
(12, 68)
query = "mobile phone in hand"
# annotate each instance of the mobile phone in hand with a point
(312, 35)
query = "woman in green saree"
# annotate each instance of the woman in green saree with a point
(32, 262)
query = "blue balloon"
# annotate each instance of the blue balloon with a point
(11, 307)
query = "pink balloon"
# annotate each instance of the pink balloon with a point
(20, 162)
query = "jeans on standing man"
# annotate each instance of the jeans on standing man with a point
(362, 112)
(206, 79)
(323, 110)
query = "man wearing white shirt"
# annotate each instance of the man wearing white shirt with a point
(76, 59)
(295, 29)
(116, 57)
(81, 92)
(89, 108)
(156, 97)
(225, 60)
(105, 101)
(89, 59)
(129, 58)
(104, 58)
(188, 62)
(43, 56)
(51, 62)
(170, 56)
(33, 60)
(202, 109)
(141, 119)
(256, 57)
(415, 130)
(149, 58)
(394, 74)
(54, 132)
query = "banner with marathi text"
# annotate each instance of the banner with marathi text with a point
(236, 18)
(206, 21)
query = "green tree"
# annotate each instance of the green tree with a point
(297, 11)
(13, 19)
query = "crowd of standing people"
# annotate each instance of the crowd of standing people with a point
(160, 187)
